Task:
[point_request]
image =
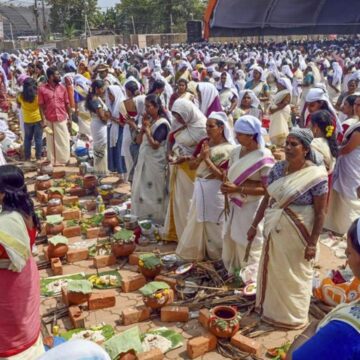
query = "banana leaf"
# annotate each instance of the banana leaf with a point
(152, 287)
(80, 286)
(150, 261)
(124, 342)
(103, 286)
(45, 282)
(106, 330)
(124, 235)
(54, 219)
(58, 190)
(58, 239)
(175, 338)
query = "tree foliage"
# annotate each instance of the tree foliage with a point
(154, 16)
(65, 13)
(146, 16)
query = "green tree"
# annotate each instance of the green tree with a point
(71, 13)
(154, 16)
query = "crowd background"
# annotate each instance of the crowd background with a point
(242, 152)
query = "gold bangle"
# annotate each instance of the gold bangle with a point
(253, 227)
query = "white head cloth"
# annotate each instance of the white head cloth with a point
(221, 116)
(250, 125)
(208, 93)
(318, 94)
(255, 102)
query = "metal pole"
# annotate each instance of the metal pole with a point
(133, 24)
(44, 20)
(36, 12)
(12, 36)
(171, 23)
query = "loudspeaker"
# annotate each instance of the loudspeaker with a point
(194, 31)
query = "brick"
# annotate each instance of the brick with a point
(92, 233)
(133, 315)
(58, 174)
(70, 200)
(245, 344)
(204, 316)
(76, 255)
(154, 354)
(170, 281)
(90, 205)
(77, 317)
(102, 299)
(56, 266)
(134, 259)
(103, 232)
(64, 296)
(72, 231)
(200, 345)
(41, 196)
(132, 282)
(101, 261)
(174, 314)
(43, 229)
(71, 214)
(80, 192)
(115, 202)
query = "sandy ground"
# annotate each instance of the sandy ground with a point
(111, 316)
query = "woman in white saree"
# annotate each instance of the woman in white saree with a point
(280, 117)
(202, 235)
(249, 167)
(344, 204)
(188, 128)
(294, 210)
(149, 191)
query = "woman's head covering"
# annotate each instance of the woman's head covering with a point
(191, 115)
(195, 122)
(284, 81)
(319, 94)
(221, 116)
(250, 125)
(255, 102)
(306, 136)
(208, 93)
(259, 69)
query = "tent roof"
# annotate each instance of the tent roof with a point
(281, 17)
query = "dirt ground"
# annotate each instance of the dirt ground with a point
(111, 316)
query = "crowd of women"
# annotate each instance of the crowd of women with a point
(243, 153)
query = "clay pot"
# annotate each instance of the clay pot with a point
(225, 314)
(123, 249)
(54, 207)
(54, 195)
(77, 298)
(54, 229)
(57, 251)
(154, 303)
(110, 220)
(130, 355)
(150, 273)
(43, 182)
(46, 168)
(90, 182)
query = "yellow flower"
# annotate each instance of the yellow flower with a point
(141, 263)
